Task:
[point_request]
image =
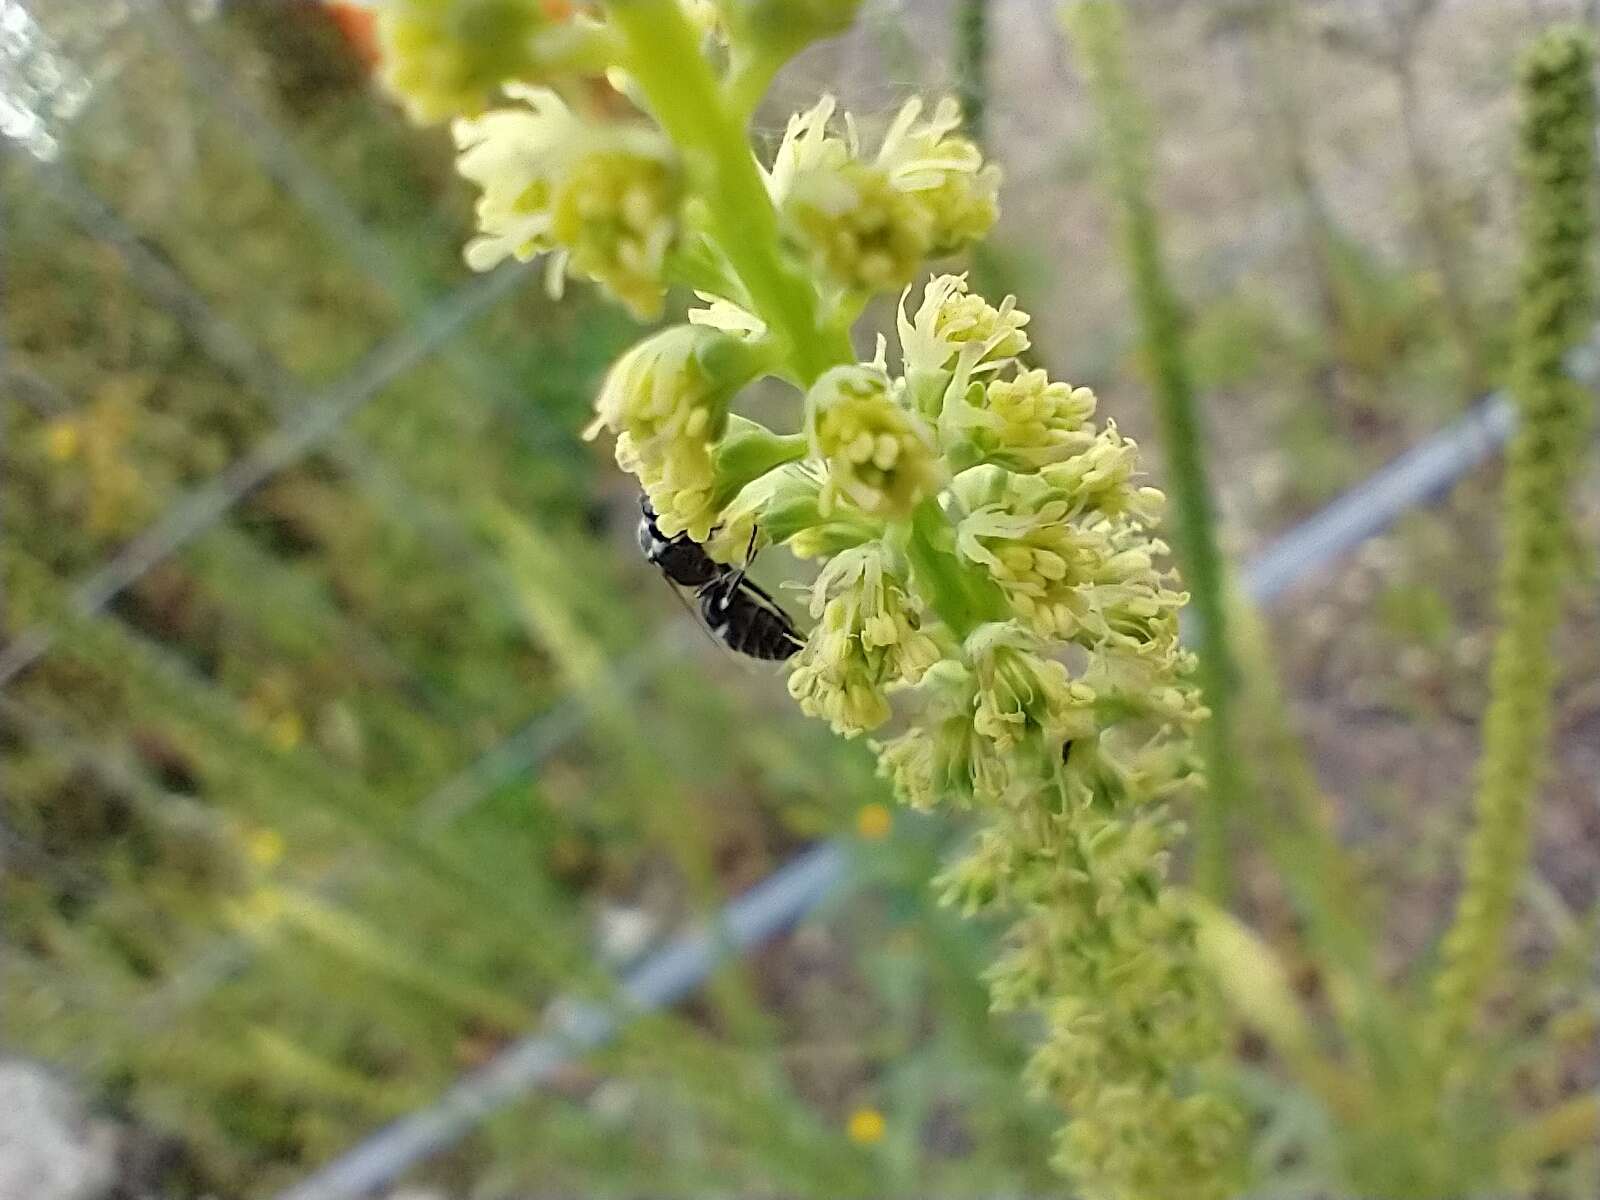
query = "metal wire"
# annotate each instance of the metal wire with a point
(663, 979)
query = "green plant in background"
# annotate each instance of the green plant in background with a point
(268, 684)
(1097, 29)
(249, 765)
(1554, 315)
(972, 520)
(972, 55)
(1411, 1105)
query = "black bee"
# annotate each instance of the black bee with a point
(738, 612)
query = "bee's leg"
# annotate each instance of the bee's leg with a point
(737, 577)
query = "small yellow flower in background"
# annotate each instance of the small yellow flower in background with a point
(259, 912)
(62, 441)
(874, 822)
(264, 847)
(866, 1126)
(286, 730)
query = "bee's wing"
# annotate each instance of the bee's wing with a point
(696, 615)
(763, 597)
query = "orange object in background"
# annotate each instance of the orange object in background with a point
(360, 28)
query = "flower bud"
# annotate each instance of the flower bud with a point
(783, 27)
(446, 58)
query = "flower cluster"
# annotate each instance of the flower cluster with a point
(989, 561)
(667, 402)
(879, 457)
(988, 577)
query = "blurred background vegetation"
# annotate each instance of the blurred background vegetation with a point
(402, 741)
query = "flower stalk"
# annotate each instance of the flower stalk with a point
(664, 57)
(1555, 311)
(990, 585)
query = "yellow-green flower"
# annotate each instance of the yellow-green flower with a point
(616, 211)
(1022, 424)
(878, 456)
(879, 610)
(869, 636)
(1022, 696)
(1101, 479)
(1069, 571)
(606, 198)
(869, 222)
(860, 229)
(944, 171)
(952, 323)
(942, 758)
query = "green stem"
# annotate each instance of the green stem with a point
(749, 76)
(1567, 1127)
(1097, 26)
(972, 50)
(664, 58)
(963, 598)
(1554, 311)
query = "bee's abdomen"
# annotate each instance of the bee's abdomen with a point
(759, 632)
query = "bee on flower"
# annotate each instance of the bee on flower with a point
(988, 576)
